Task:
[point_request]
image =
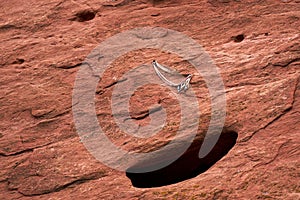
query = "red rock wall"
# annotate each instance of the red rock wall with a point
(254, 43)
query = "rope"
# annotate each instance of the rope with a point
(182, 86)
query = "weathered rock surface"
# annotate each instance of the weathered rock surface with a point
(254, 43)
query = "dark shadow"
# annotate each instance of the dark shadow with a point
(238, 38)
(187, 166)
(84, 15)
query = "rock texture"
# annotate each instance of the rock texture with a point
(254, 43)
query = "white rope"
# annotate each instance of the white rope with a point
(182, 86)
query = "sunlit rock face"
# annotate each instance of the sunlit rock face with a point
(254, 44)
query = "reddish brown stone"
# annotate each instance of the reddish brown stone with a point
(254, 43)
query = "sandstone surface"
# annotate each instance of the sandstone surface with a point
(255, 44)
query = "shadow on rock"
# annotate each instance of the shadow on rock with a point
(189, 165)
